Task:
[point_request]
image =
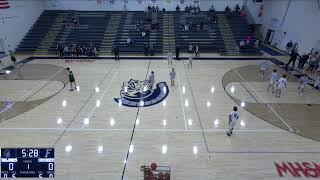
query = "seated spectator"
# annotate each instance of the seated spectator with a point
(211, 8)
(237, 8)
(256, 44)
(186, 9)
(248, 39)
(95, 52)
(190, 49)
(129, 41)
(227, 12)
(60, 50)
(153, 9)
(66, 51)
(143, 34)
(157, 9)
(198, 9)
(177, 8)
(163, 10)
(243, 14)
(186, 27)
(242, 44)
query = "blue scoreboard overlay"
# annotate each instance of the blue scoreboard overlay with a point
(27, 162)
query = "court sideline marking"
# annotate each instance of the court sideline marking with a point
(183, 111)
(291, 130)
(196, 108)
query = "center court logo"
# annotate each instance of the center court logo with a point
(135, 93)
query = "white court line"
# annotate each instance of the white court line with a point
(104, 93)
(38, 87)
(265, 103)
(183, 111)
(146, 130)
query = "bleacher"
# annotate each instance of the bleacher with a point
(107, 29)
(240, 29)
(37, 32)
(209, 38)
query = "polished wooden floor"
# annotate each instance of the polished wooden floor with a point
(192, 142)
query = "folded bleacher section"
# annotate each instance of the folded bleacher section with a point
(241, 29)
(105, 30)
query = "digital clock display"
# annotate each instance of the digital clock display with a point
(27, 162)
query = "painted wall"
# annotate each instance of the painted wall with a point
(16, 21)
(133, 5)
(302, 23)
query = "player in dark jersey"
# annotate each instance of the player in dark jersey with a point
(72, 80)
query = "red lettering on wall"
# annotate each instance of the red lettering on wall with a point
(284, 168)
(309, 171)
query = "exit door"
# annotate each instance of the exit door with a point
(269, 37)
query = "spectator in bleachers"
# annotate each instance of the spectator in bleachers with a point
(125, 9)
(198, 10)
(143, 34)
(243, 14)
(190, 49)
(177, 52)
(186, 9)
(129, 41)
(186, 27)
(153, 9)
(116, 53)
(237, 9)
(211, 8)
(248, 39)
(314, 61)
(157, 9)
(256, 44)
(177, 8)
(146, 49)
(242, 44)
(60, 50)
(163, 10)
(227, 12)
(66, 51)
(151, 48)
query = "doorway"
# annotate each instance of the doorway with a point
(269, 36)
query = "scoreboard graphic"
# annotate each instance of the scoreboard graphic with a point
(27, 162)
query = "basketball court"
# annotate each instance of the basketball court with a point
(96, 137)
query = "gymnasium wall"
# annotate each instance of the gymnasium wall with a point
(133, 5)
(16, 21)
(302, 23)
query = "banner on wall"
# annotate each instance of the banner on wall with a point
(4, 4)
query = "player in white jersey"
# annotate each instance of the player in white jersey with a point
(273, 80)
(282, 83)
(172, 76)
(263, 67)
(190, 60)
(233, 117)
(302, 84)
